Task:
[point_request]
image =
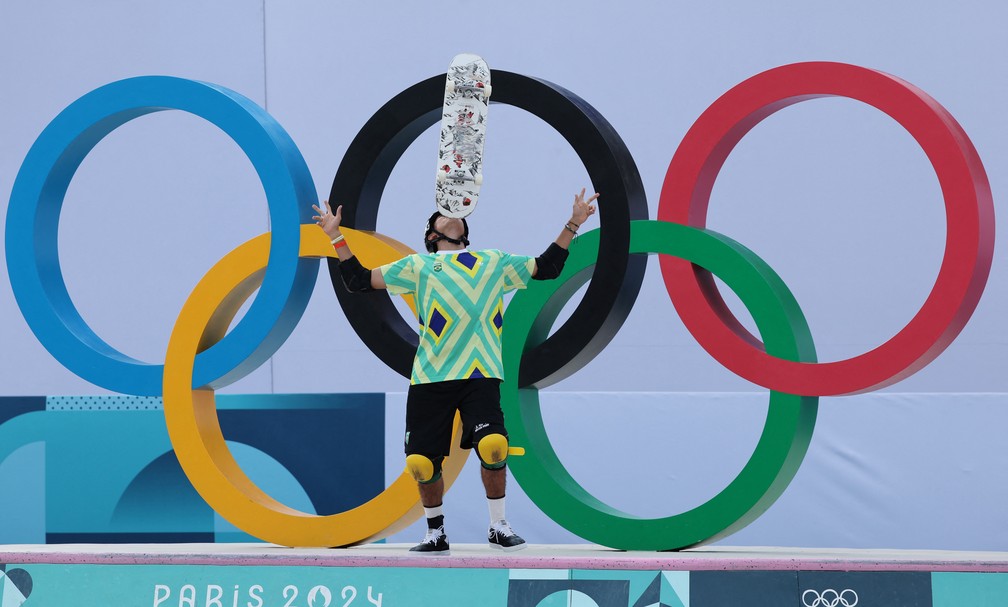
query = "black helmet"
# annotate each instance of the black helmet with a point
(431, 243)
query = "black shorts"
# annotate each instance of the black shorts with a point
(430, 411)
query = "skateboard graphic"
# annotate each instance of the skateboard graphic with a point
(463, 131)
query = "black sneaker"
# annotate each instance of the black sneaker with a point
(503, 538)
(435, 542)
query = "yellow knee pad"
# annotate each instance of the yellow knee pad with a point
(422, 468)
(492, 451)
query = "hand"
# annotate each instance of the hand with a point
(583, 209)
(329, 222)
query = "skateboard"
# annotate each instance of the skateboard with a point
(463, 131)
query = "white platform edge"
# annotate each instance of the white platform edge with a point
(561, 556)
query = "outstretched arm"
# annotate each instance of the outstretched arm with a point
(355, 276)
(551, 262)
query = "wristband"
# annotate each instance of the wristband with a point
(567, 226)
(335, 240)
(339, 243)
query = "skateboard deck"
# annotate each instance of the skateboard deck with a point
(463, 131)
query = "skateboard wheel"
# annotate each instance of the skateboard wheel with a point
(441, 176)
(486, 91)
(479, 179)
(449, 87)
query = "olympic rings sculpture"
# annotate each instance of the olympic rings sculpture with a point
(203, 355)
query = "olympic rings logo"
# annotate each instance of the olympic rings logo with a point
(830, 598)
(203, 355)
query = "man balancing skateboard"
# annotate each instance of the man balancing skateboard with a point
(458, 363)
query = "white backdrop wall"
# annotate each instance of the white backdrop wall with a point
(834, 195)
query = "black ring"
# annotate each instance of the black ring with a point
(616, 278)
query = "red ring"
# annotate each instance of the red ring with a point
(969, 210)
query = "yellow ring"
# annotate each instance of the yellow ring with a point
(195, 432)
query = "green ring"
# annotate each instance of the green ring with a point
(781, 447)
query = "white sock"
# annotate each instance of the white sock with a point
(496, 507)
(433, 512)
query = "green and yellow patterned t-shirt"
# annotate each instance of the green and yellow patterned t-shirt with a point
(461, 308)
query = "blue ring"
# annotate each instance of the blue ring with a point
(37, 199)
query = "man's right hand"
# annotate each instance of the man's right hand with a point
(327, 220)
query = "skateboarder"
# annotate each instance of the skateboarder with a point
(458, 362)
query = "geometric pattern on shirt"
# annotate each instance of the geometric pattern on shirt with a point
(498, 319)
(476, 371)
(439, 322)
(467, 261)
(460, 296)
